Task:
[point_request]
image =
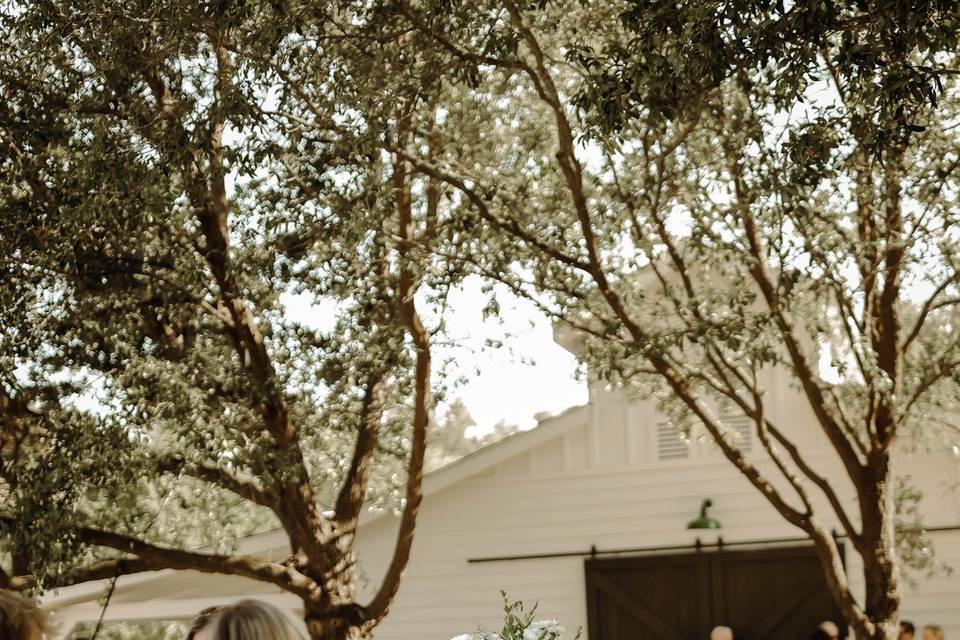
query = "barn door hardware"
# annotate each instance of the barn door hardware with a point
(594, 551)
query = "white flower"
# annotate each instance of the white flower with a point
(543, 630)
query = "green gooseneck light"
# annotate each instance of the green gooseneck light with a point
(704, 521)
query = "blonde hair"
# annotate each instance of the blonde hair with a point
(936, 630)
(20, 617)
(202, 621)
(252, 620)
(721, 633)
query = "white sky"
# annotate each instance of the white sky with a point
(529, 374)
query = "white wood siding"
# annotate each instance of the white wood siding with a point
(601, 484)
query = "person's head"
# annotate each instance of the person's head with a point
(251, 620)
(721, 633)
(830, 629)
(906, 630)
(202, 621)
(20, 617)
(933, 632)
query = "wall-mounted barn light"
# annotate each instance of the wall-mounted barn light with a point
(704, 521)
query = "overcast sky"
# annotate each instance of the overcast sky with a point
(531, 374)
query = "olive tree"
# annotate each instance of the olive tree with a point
(708, 191)
(176, 176)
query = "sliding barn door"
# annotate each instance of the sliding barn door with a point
(764, 594)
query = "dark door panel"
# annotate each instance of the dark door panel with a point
(764, 594)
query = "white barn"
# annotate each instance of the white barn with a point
(523, 515)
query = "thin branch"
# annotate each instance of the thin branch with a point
(452, 48)
(802, 367)
(945, 369)
(760, 422)
(510, 226)
(929, 305)
(249, 488)
(352, 493)
(380, 604)
(821, 482)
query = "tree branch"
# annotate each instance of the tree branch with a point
(418, 22)
(16, 583)
(150, 557)
(930, 304)
(296, 506)
(249, 488)
(802, 368)
(353, 491)
(886, 337)
(380, 605)
(821, 482)
(510, 226)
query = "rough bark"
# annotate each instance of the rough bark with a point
(882, 597)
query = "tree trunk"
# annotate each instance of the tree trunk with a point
(880, 572)
(882, 630)
(342, 622)
(330, 628)
(882, 601)
(336, 616)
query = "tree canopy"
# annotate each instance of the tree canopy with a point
(176, 177)
(711, 191)
(707, 191)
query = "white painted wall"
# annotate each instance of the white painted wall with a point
(600, 484)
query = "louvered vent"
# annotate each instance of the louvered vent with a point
(671, 444)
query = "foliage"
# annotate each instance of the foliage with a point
(177, 179)
(713, 194)
(719, 196)
(151, 630)
(914, 547)
(450, 442)
(521, 624)
(890, 56)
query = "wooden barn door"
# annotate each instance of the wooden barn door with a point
(763, 594)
